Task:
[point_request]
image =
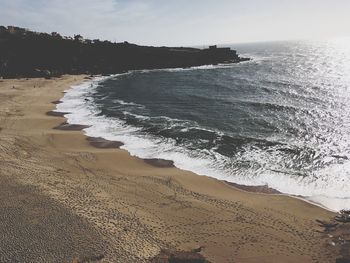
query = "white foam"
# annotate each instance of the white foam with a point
(121, 102)
(204, 67)
(330, 187)
(141, 117)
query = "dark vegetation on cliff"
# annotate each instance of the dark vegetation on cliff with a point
(24, 53)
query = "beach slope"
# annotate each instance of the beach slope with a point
(67, 198)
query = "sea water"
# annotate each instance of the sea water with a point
(281, 119)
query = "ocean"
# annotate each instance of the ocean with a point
(281, 119)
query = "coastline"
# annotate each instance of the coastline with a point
(100, 142)
(138, 208)
(79, 122)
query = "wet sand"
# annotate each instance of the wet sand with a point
(264, 189)
(56, 113)
(70, 127)
(79, 189)
(161, 163)
(103, 143)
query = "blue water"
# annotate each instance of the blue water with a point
(282, 119)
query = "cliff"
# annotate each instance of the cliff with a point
(24, 53)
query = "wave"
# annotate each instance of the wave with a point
(121, 102)
(320, 187)
(204, 67)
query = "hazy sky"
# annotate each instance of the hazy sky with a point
(182, 22)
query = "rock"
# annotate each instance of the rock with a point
(82, 56)
(343, 217)
(167, 256)
(342, 260)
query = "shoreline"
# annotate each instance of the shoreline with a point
(100, 142)
(160, 162)
(139, 209)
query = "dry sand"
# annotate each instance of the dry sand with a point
(63, 199)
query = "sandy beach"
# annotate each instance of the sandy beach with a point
(68, 198)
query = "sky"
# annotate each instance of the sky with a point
(182, 22)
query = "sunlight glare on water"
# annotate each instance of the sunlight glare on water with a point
(282, 119)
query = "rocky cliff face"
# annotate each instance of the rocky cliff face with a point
(24, 53)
